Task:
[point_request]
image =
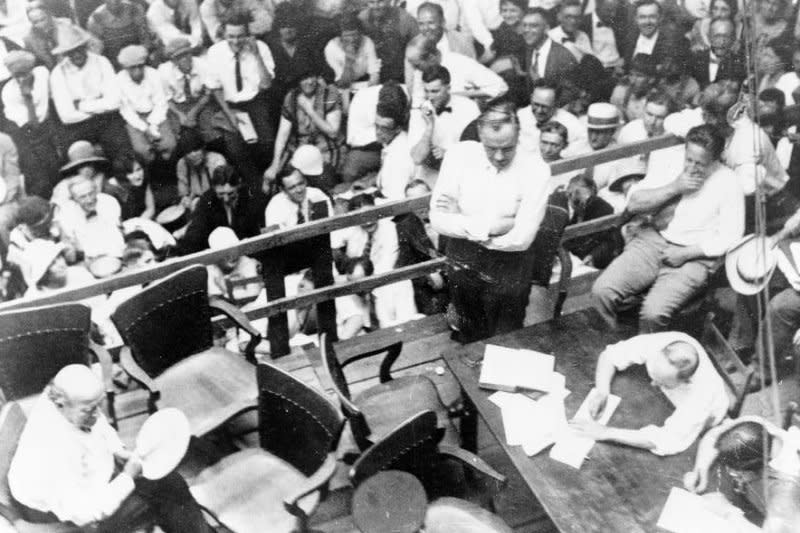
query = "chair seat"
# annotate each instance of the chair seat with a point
(452, 515)
(384, 412)
(245, 491)
(210, 387)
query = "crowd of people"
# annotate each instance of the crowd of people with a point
(133, 129)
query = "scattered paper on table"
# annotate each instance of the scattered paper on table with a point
(573, 449)
(685, 512)
(511, 370)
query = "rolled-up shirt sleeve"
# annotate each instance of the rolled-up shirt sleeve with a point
(679, 430)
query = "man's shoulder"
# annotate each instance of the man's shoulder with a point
(463, 105)
(560, 53)
(218, 49)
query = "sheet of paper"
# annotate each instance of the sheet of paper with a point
(572, 449)
(511, 370)
(550, 424)
(685, 512)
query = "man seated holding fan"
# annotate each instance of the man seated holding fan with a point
(676, 364)
(71, 466)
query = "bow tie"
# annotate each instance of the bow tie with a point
(91, 214)
(446, 109)
(567, 39)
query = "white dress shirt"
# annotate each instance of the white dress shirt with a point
(740, 156)
(160, 18)
(361, 117)
(711, 218)
(465, 73)
(173, 80)
(60, 469)
(283, 212)
(484, 194)
(96, 235)
(94, 87)
(4, 73)
(700, 403)
(579, 47)
(222, 67)
(481, 17)
(447, 128)
(539, 57)
(142, 105)
(366, 62)
(14, 105)
(385, 245)
(604, 44)
(14, 14)
(260, 11)
(397, 168)
(529, 130)
(788, 83)
(645, 45)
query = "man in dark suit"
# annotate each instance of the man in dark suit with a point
(608, 45)
(723, 61)
(654, 38)
(544, 58)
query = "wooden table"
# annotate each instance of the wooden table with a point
(618, 488)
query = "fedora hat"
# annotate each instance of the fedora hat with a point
(748, 272)
(82, 153)
(602, 116)
(68, 38)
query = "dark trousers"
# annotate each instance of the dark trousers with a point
(169, 503)
(360, 161)
(38, 156)
(107, 130)
(258, 111)
(489, 290)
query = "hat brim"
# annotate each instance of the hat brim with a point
(605, 126)
(616, 185)
(181, 52)
(64, 48)
(736, 281)
(94, 160)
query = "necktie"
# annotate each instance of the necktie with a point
(535, 66)
(238, 73)
(180, 22)
(301, 218)
(27, 99)
(368, 246)
(187, 87)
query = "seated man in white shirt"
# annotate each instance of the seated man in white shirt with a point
(385, 306)
(681, 369)
(567, 33)
(438, 123)
(293, 205)
(71, 466)
(697, 214)
(91, 222)
(543, 109)
(391, 121)
(143, 105)
(467, 77)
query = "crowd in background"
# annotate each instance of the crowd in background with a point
(134, 130)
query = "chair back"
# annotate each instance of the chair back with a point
(411, 447)
(167, 321)
(12, 422)
(734, 372)
(548, 239)
(36, 343)
(296, 423)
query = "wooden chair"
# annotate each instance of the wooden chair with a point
(12, 422)
(378, 410)
(169, 350)
(735, 373)
(414, 447)
(276, 488)
(36, 343)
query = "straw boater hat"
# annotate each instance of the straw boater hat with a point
(602, 116)
(82, 153)
(68, 38)
(746, 266)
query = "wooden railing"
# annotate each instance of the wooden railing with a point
(257, 246)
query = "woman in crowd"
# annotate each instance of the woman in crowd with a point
(138, 199)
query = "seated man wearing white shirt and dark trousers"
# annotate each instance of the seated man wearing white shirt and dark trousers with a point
(71, 466)
(697, 215)
(242, 69)
(681, 369)
(489, 201)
